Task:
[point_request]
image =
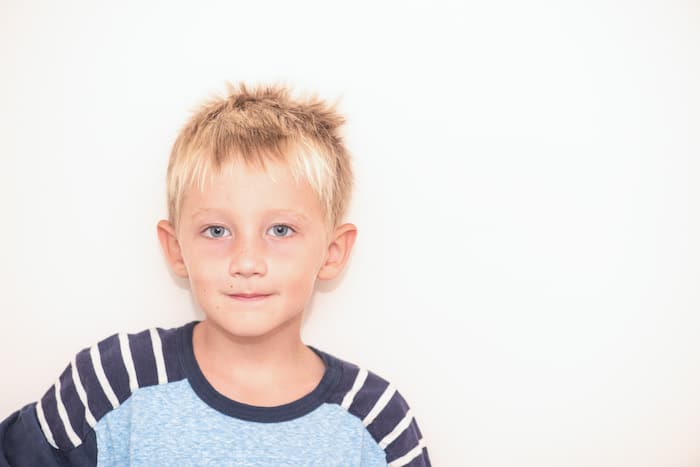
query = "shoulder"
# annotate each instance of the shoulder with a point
(384, 412)
(101, 377)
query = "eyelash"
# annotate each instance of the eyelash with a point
(276, 225)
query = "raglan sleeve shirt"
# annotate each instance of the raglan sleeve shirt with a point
(141, 399)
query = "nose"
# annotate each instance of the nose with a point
(248, 257)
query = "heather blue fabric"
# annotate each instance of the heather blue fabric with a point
(169, 425)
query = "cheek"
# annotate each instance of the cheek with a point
(205, 270)
(296, 273)
(300, 257)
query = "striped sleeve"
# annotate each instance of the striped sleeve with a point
(386, 415)
(60, 425)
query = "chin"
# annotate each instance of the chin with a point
(247, 324)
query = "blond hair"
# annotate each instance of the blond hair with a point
(258, 125)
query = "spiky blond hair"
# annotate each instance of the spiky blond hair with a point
(258, 125)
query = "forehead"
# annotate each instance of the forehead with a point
(248, 190)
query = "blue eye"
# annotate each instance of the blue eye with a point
(284, 228)
(217, 231)
(215, 228)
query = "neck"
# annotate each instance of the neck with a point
(279, 356)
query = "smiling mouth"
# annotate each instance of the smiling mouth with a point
(249, 297)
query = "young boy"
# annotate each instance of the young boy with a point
(257, 185)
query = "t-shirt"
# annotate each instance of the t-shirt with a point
(142, 400)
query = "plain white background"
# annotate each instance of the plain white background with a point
(528, 258)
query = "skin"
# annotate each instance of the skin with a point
(252, 352)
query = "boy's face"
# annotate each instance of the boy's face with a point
(246, 234)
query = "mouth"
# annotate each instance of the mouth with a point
(249, 297)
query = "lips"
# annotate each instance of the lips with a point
(249, 296)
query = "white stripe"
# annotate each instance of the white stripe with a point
(409, 456)
(158, 354)
(128, 361)
(101, 377)
(72, 436)
(81, 393)
(379, 405)
(44, 426)
(359, 381)
(398, 429)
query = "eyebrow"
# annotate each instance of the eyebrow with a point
(289, 212)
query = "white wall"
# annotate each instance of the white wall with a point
(528, 257)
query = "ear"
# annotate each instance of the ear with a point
(171, 248)
(339, 249)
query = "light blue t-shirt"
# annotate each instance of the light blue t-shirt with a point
(142, 400)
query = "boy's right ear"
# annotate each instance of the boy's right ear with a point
(171, 248)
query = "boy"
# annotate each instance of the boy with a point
(257, 185)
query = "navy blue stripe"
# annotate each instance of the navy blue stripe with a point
(419, 435)
(368, 395)
(84, 455)
(144, 360)
(97, 401)
(48, 404)
(404, 443)
(113, 365)
(389, 417)
(421, 461)
(73, 404)
(349, 372)
(169, 339)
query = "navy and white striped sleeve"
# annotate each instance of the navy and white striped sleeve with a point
(58, 429)
(45, 432)
(397, 430)
(386, 415)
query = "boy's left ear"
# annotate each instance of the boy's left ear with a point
(339, 250)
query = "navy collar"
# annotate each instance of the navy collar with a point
(223, 404)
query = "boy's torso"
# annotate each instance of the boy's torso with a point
(170, 424)
(148, 403)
